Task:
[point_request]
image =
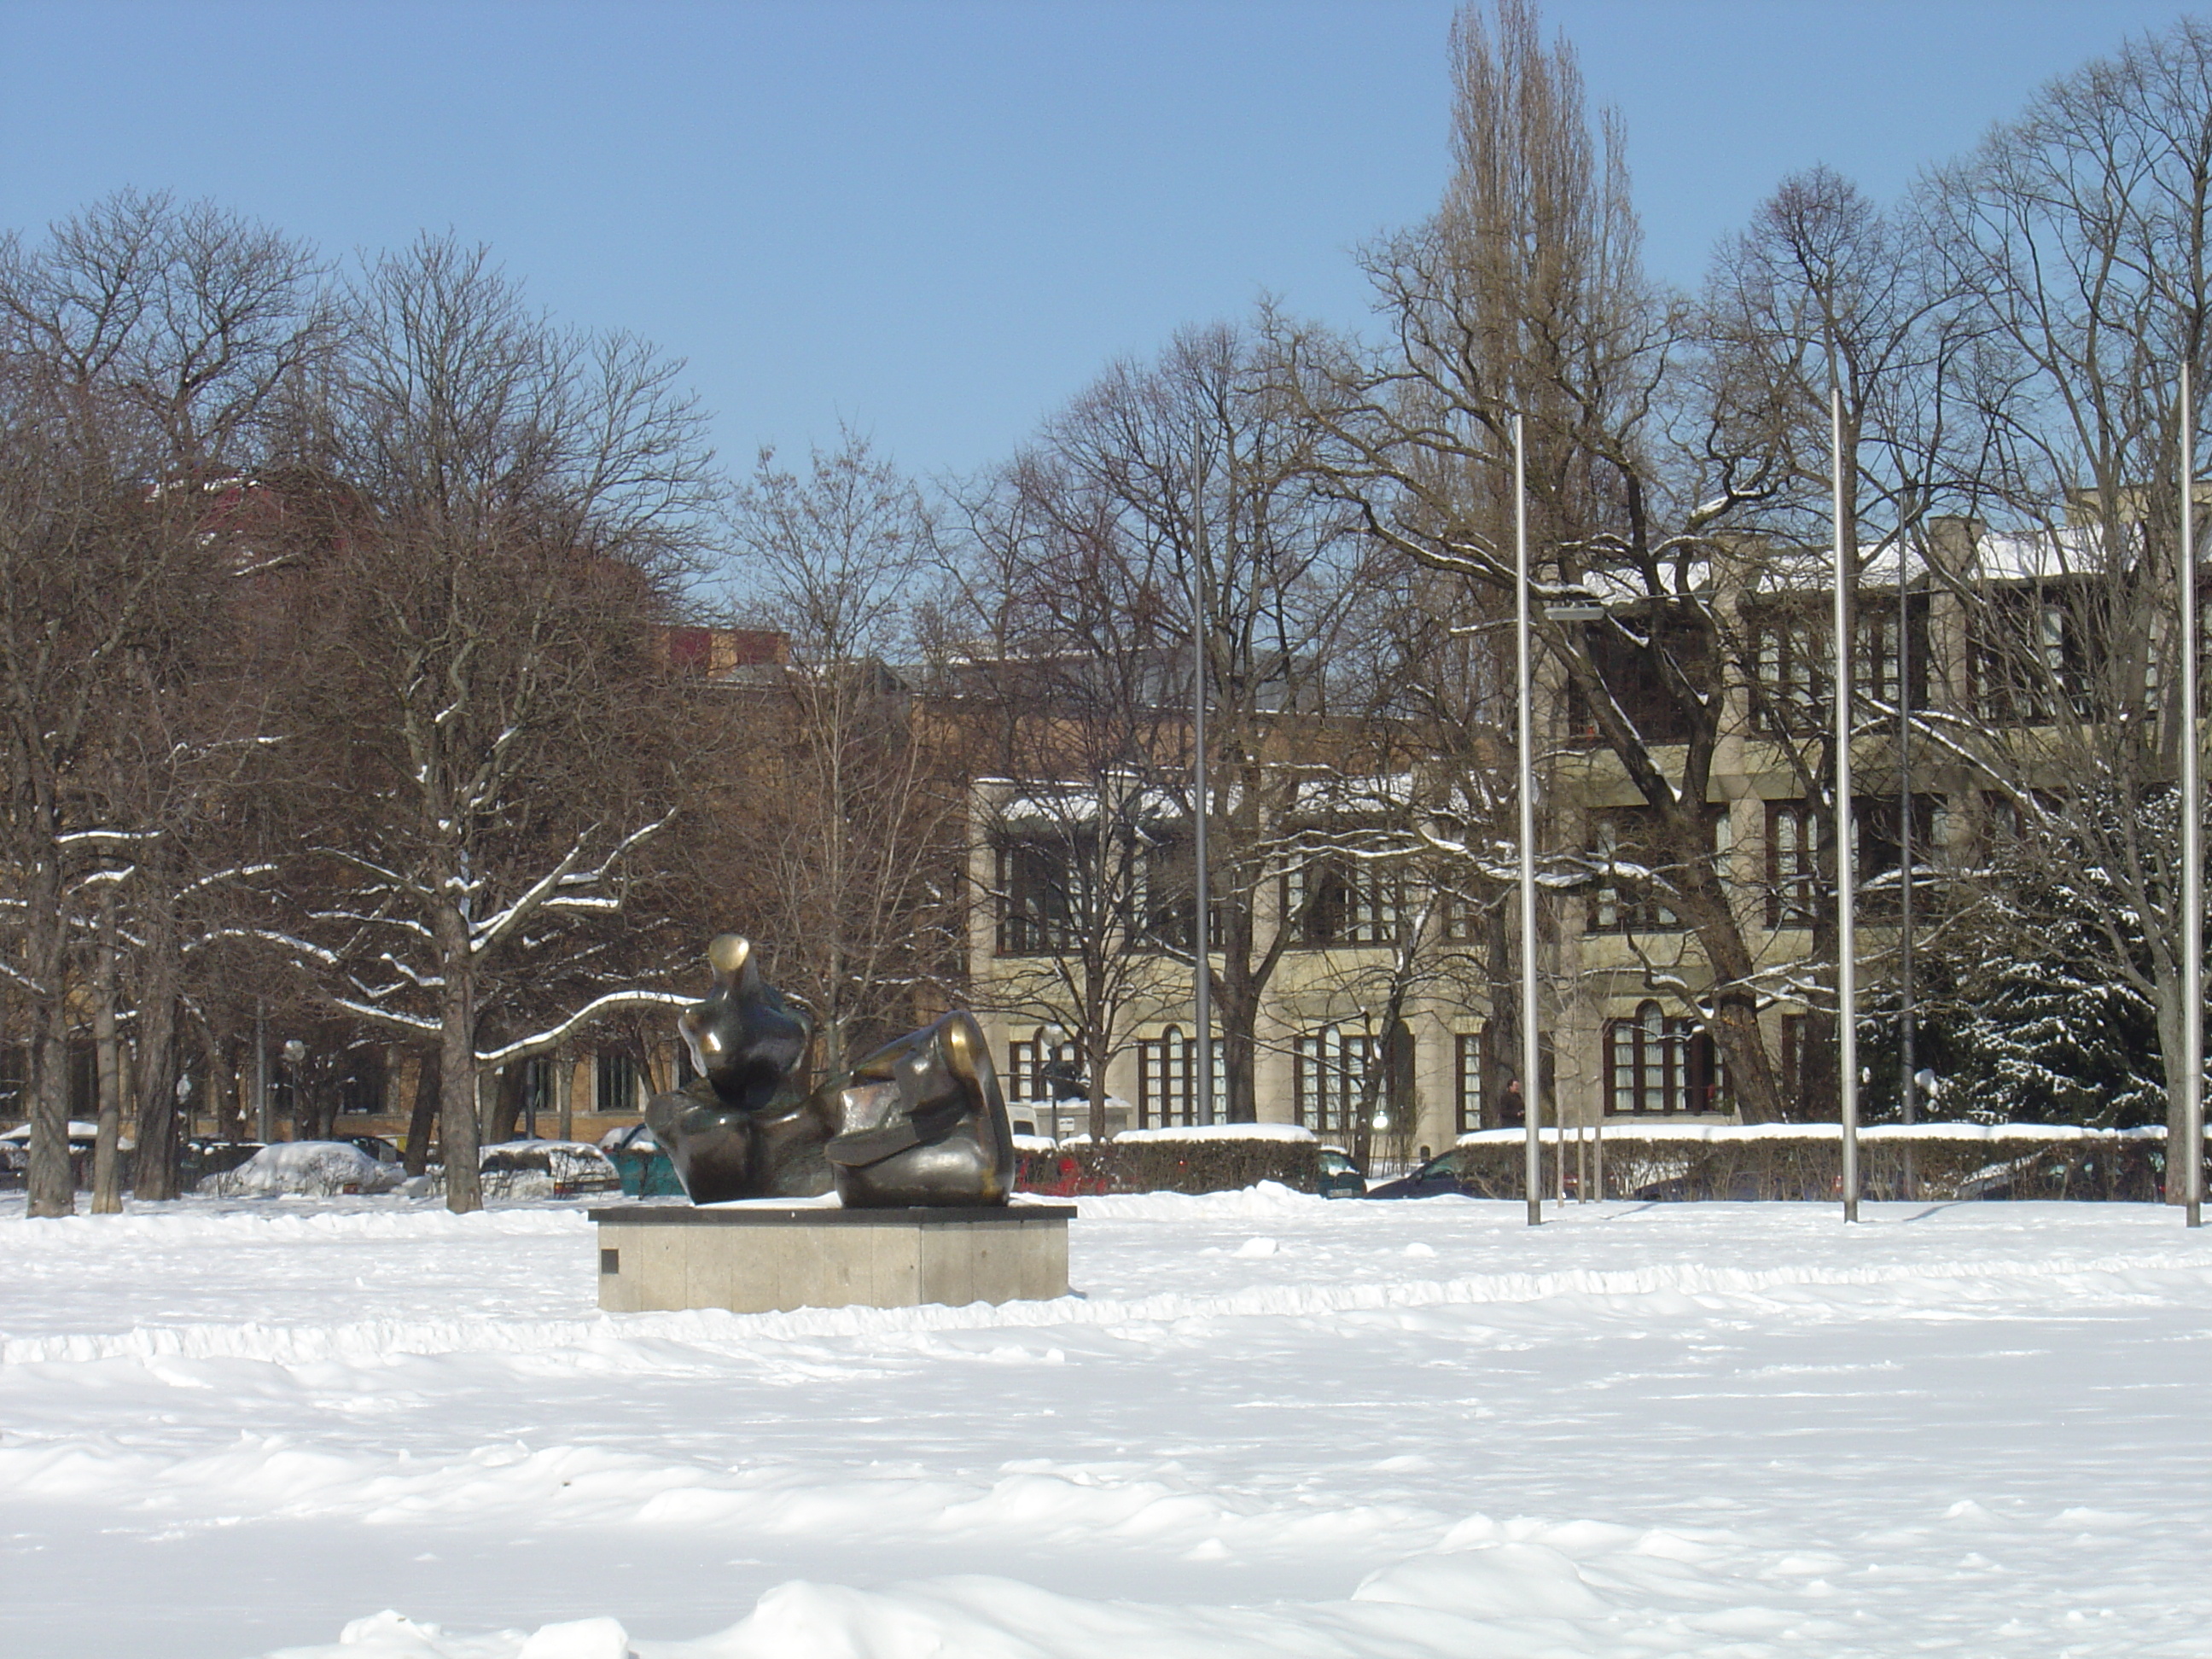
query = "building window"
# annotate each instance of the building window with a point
(1469, 1052)
(2030, 654)
(617, 1083)
(1167, 1081)
(1040, 896)
(1167, 875)
(1874, 670)
(1624, 654)
(1793, 650)
(1459, 918)
(1790, 654)
(1796, 888)
(690, 650)
(1880, 848)
(1329, 1078)
(1656, 1063)
(1635, 871)
(1031, 1066)
(360, 1086)
(1335, 899)
(1793, 861)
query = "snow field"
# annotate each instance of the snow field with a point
(1270, 1424)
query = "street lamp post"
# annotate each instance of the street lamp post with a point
(1532, 1092)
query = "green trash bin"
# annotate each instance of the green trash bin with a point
(646, 1170)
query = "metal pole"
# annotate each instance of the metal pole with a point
(1532, 1091)
(2192, 844)
(1909, 1017)
(1904, 826)
(1847, 1043)
(1201, 928)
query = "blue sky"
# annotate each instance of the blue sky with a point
(936, 222)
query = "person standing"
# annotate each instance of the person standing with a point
(1512, 1110)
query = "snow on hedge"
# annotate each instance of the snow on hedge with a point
(2037, 1132)
(1220, 1131)
(309, 1168)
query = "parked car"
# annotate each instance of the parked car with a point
(303, 1169)
(203, 1156)
(1339, 1176)
(81, 1135)
(1439, 1177)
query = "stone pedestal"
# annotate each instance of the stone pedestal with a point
(761, 1258)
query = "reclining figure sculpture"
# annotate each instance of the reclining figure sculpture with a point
(919, 1121)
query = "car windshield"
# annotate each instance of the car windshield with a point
(1442, 1165)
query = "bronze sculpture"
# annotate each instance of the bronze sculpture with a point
(919, 1122)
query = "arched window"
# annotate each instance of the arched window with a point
(1328, 1077)
(1656, 1062)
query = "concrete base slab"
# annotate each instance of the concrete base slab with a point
(761, 1258)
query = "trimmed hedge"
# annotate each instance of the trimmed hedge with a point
(1211, 1165)
(1805, 1162)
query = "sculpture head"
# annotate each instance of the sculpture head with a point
(746, 1040)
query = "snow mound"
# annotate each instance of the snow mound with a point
(1563, 1589)
(312, 1169)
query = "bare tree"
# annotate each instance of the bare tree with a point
(138, 348)
(1069, 685)
(2076, 239)
(853, 822)
(1523, 298)
(1202, 468)
(506, 507)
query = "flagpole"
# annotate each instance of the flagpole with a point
(1847, 1044)
(2192, 844)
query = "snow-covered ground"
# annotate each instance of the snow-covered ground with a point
(1270, 1426)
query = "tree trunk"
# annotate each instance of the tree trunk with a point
(457, 1067)
(1093, 1044)
(1236, 999)
(52, 1187)
(505, 1104)
(108, 1151)
(220, 1098)
(416, 1152)
(154, 1167)
(1734, 1023)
